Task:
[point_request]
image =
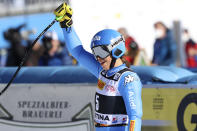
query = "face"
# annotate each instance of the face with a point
(105, 63)
(123, 31)
(160, 31)
(55, 47)
(185, 36)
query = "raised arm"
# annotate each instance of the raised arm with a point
(75, 47)
(63, 15)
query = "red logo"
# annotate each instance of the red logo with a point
(124, 119)
(114, 120)
(110, 88)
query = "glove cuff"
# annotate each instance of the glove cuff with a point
(66, 23)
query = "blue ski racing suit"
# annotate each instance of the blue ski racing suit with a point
(118, 104)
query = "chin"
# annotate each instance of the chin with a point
(105, 68)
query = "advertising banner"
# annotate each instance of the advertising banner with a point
(66, 107)
(170, 107)
(44, 106)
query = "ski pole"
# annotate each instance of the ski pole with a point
(26, 56)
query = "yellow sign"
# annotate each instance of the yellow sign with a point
(172, 107)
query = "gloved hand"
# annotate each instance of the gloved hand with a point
(63, 15)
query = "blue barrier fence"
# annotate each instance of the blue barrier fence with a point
(77, 74)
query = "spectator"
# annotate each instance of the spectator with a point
(3, 57)
(53, 51)
(190, 49)
(36, 53)
(164, 46)
(131, 46)
(141, 58)
(16, 51)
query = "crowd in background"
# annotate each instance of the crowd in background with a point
(164, 49)
(50, 51)
(190, 49)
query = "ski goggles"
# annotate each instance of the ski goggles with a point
(100, 51)
(103, 51)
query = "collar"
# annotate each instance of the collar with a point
(115, 69)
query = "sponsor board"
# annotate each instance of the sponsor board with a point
(64, 107)
(55, 106)
(172, 106)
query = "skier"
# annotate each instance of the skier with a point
(118, 104)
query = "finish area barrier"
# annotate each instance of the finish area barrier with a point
(61, 102)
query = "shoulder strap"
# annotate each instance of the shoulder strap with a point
(124, 70)
(117, 75)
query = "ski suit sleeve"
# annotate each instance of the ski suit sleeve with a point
(76, 49)
(130, 89)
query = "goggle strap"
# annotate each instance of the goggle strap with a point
(116, 43)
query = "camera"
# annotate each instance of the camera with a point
(47, 43)
(13, 35)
